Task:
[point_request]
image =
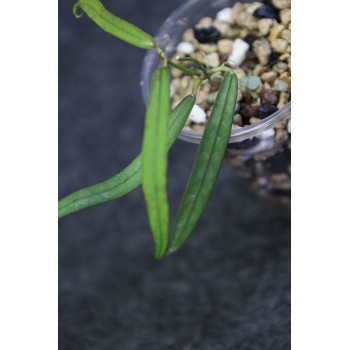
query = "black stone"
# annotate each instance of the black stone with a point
(266, 11)
(244, 144)
(279, 162)
(207, 35)
(274, 58)
(266, 110)
(250, 38)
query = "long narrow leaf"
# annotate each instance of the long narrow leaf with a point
(114, 25)
(155, 158)
(129, 178)
(207, 163)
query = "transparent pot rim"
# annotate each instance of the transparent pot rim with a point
(237, 135)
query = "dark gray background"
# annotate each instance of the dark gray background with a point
(227, 288)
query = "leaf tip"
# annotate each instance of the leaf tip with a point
(75, 9)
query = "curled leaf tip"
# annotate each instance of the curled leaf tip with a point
(75, 9)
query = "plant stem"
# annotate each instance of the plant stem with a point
(192, 59)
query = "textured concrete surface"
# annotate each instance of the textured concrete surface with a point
(228, 288)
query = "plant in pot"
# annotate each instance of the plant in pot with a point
(161, 130)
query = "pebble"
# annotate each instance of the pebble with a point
(251, 82)
(207, 48)
(275, 32)
(197, 114)
(281, 85)
(264, 25)
(233, 33)
(281, 4)
(254, 120)
(246, 19)
(250, 38)
(266, 11)
(250, 60)
(269, 77)
(225, 15)
(266, 134)
(207, 35)
(253, 6)
(222, 27)
(269, 97)
(205, 22)
(285, 16)
(225, 46)
(286, 35)
(262, 49)
(281, 136)
(185, 48)
(280, 67)
(248, 111)
(289, 127)
(236, 10)
(266, 110)
(213, 60)
(283, 100)
(237, 119)
(274, 58)
(284, 56)
(188, 35)
(238, 54)
(279, 45)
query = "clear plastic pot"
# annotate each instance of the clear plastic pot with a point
(258, 153)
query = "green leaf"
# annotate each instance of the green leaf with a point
(155, 158)
(114, 25)
(207, 163)
(129, 178)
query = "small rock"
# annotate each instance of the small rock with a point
(262, 49)
(239, 95)
(259, 70)
(266, 11)
(281, 4)
(197, 114)
(266, 110)
(246, 97)
(281, 85)
(247, 20)
(249, 111)
(269, 77)
(185, 48)
(264, 25)
(251, 8)
(225, 15)
(239, 51)
(233, 33)
(213, 60)
(279, 45)
(289, 127)
(283, 100)
(207, 35)
(286, 35)
(188, 35)
(250, 38)
(175, 73)
(254, 120)
(281, 136)
(284, 56)
(251, 82)
(236, 10)
(266, 134)
(225, 46)
(240, 73)
(205, 22)
(250, 60)
(280, 67)
(275, 32)
(222, 27)
(198, 128)
(207, 48)
(274, 58)
(269, 97)
(285, 16)
(237, 119)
